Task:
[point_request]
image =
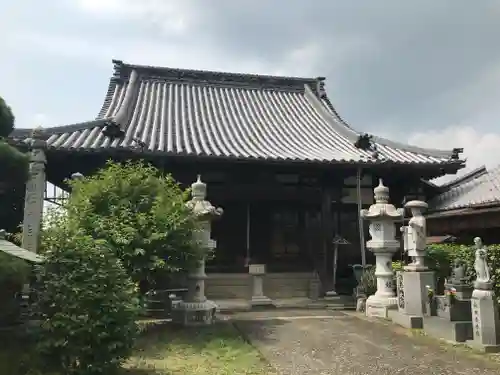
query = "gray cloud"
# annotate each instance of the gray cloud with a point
(414, 51)
(391, 65)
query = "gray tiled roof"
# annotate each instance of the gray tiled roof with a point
(477, 188)
(185, 112)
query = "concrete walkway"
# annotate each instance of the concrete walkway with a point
(315, 342)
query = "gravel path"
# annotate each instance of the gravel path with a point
(316, 342)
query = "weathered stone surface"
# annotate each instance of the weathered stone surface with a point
(339, 343)
(448, 330)
(412, 292)
(486, 324)
(194, 313)
(454, 311)
(405, 320)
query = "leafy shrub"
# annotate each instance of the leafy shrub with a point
(139, 212)
(440, 258)
(397, 266)
(14, 273)
(87, 306)
(368, 281)
(13, 175)
(7, 119)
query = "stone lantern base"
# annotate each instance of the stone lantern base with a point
(194, 313)
(379, 306)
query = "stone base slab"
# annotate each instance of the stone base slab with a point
(331, 293)
(483, 348)
(261, 301)
(415, 268)
(379, 308)
(407, 321)
(447, 330)
(194, 313)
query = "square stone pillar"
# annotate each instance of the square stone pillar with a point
(485, 321)
(412, 298)
(258, 298)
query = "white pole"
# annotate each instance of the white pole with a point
(335, 260)
(360, 219)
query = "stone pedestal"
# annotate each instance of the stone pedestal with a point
(384, 299)
(412, 298)
(258, 298)
(195, 309)
(485, 320)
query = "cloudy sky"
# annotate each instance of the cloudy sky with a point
(424, 72)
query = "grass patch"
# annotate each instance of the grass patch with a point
(212, 350)
(167, 350)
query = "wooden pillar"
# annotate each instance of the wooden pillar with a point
(248, 228)
(326, 227)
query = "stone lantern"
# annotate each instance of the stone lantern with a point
(382, 217)
(195, 309)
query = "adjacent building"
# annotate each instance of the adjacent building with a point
(468, 207)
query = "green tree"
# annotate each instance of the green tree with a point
(140, 213)
(6, 119)
(13, 174)
(14, 272)
(87, 306)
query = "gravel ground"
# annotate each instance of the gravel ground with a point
(303, 342)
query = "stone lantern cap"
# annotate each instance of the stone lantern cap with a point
(416, 204)
(202, 208)
(382, 209)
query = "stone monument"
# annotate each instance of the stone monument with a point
(33, 204)
(258, 298)
(413, 283)
(485, 315)
(382, 217)
(195, 309)
(35, 188)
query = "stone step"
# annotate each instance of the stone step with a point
(343, 303)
